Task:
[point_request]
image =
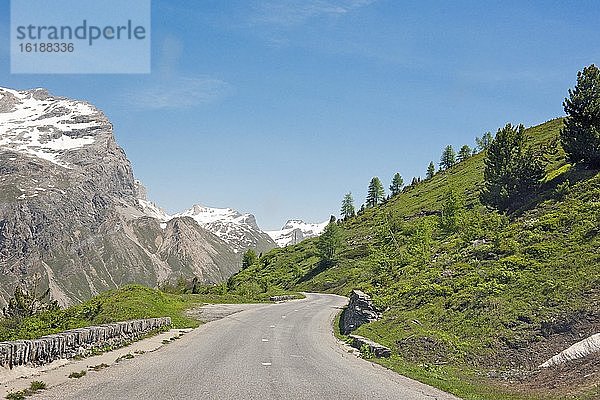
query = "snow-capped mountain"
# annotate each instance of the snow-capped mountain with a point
(72, 213)
(238, 230)
(295, 230)
(37, 124)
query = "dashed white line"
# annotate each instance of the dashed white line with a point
(265, 340)
(266, 364)
(272, 326)
(283, 316)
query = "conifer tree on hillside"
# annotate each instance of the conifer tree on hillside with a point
(29, 301)
(330, 243)
(347, 210)
(376, 193)
(512, 169)
(484, 142)
(448, 157)
(397, 183)
(249, 258)
(430, 170)
(464, 153)
(452, 210)
(580, 135)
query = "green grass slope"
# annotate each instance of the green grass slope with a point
(496, 297)
(126, 303)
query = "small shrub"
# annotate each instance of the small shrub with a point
(366, 352)
(563, 189)
(37, 385)
(20, 395)
(127, 356)
(98, 367)
(34, 387)
(78, 375)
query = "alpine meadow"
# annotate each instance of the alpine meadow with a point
(483, 270)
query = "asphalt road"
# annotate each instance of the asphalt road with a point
(274, 351)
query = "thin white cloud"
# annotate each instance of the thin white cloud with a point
(289, 13)
(178, 93)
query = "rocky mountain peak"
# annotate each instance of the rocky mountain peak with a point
(295, 230)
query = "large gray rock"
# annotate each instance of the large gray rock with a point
(360, 311)
(378, 350)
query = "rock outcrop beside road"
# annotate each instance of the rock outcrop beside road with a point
(360, 311)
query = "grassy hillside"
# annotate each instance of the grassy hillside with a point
(494, 298)
(128, 302)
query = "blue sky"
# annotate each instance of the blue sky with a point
(280, 107)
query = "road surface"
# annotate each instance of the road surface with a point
(270, 351)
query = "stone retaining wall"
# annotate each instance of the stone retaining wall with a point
(75, 342)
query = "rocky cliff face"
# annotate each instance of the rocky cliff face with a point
(70, 209)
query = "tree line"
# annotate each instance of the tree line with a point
(513, 169)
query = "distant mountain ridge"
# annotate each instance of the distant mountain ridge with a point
(239, 230)
(294, 231)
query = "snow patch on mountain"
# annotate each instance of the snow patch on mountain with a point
(294, 231)
(239, 230)
(34, 123)
(149, 208)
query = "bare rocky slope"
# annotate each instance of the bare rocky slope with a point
(70, 209)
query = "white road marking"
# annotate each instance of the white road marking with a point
(283, 316)
(265, 340)
(266, 364)
(272, 326)
(295, 310)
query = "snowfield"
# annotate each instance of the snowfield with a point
(34, 123)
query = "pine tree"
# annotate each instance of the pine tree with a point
(347, 210)
(376, 193)
(448, 157)
(397, 183)
(452, 211)
(414, 181)
(464, 153)
(580, 135)
(249, 258)
(512, 170)
(430, 170)
(27, 301)
(330, 243)
(484, 142)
